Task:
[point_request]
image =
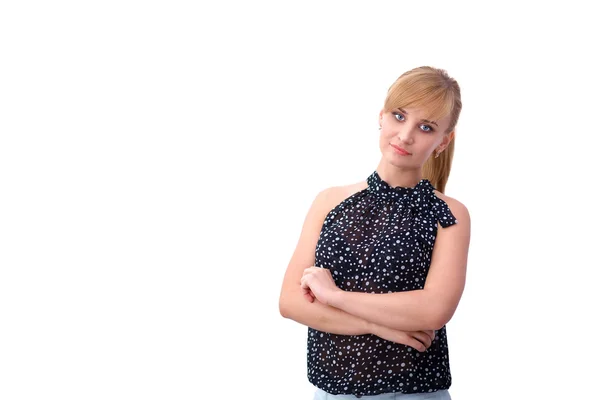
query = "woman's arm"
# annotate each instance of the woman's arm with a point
(292, 302)
(296, 304)
(429, 308)
(325, 318)
(319, 316)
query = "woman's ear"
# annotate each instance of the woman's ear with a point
(447, 139)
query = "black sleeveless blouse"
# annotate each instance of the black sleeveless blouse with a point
(379, 240)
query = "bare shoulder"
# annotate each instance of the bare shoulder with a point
(328, 198)
(458, 209)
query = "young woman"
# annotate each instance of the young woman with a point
(380, 265)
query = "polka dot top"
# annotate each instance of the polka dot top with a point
(379, 240)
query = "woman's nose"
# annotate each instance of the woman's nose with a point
(406, 135)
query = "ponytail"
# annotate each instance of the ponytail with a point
(437, 170)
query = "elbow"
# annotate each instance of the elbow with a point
(437, 324)
(440, 318)
(290, 307)
(283, 311)
(432, 323)
(284, 308)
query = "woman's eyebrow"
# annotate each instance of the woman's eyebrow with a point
(423, 120)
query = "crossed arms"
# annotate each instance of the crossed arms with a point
(351, 313)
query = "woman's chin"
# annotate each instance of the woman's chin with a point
(400, 162)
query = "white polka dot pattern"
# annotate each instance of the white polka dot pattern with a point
(379, 240)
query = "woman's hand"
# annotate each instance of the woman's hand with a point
(318, 283)
(419, 340)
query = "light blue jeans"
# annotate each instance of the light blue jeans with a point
(439, 395)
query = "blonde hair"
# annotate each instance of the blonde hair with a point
(432, 90)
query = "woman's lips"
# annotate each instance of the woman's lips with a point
(400, 150)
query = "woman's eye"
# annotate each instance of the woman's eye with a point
(400, 117)
(396, 115)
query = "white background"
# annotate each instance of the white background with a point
(157, 160)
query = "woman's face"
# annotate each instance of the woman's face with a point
(407, 129)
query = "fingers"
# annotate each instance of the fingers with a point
(308, 270)
(308, 295)
(304, 280)
(422, 337)
(306, 292)
(418, 346)
(401, 337)
(415, 344)
(431, 334)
